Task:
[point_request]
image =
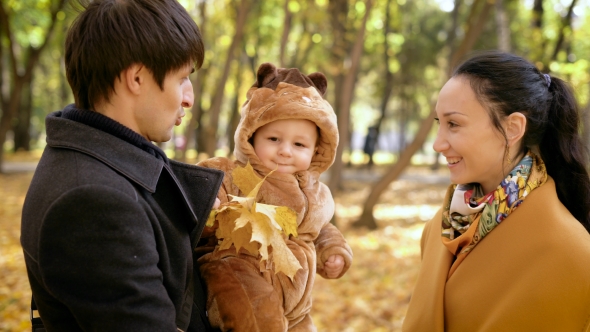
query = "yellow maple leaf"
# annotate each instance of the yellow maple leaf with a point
(245, 178)
(211, 220)
(244, 223)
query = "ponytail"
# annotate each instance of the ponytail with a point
(564, 153)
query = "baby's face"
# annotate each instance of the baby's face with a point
(286, 145)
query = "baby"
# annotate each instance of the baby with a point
(288, 127)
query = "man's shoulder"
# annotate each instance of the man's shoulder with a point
(61, 170)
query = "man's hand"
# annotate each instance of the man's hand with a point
(217, 202)
(333, 266)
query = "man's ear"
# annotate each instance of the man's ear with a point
(515, 127)
(134, 77)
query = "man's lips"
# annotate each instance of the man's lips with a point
(179, 119)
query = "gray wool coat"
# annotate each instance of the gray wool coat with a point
(108, 232)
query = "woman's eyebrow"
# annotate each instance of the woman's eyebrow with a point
(452, 113)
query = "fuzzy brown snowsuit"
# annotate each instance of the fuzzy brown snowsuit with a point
(240, 296)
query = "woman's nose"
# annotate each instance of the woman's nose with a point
(440, 142)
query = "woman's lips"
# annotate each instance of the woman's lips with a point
(454, 160)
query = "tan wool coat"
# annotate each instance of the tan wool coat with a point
(241, 298)
(531, 273)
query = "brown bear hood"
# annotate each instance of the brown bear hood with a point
(281, 93)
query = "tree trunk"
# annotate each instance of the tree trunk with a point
(340, 48)
(335, 182)
(234, 119)
(480, 10)
(19, 81)
(367, 219)
(403, 124)
(586, 125)
(220, 89)
(305, 44)
(565, 26)
(191, 132)
(537, 14)
(21, 128)
(285, 36)
(503, 27)
(388, 86)
(477, 20)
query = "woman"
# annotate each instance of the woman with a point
(529, 269)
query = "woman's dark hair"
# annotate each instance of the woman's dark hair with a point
(111, 35)
(504, 84)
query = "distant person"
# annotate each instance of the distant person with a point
(371, 144)
(286, 126)
(528, 272)
(109, 222)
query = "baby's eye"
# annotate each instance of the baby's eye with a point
(300, 145)
(274, 139)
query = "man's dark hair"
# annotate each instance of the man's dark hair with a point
(111, 35)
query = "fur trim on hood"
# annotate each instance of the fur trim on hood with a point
(281, 93)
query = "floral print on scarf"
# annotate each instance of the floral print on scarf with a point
(469, 214)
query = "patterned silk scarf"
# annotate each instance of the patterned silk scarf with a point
(469, 214)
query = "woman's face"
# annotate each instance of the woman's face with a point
(466, 136)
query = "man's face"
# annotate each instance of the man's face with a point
(160, 110)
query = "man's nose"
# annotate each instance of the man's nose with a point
(188, 96)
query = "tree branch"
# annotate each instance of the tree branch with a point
(4, 18)
(36, 52)
(566, 23)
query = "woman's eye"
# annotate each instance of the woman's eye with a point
(437, 121)
(452, 124)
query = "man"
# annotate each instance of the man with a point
(109, 223)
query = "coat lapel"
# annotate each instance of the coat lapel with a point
(430, 287)
(198, 186)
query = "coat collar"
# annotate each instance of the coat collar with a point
(132, 162)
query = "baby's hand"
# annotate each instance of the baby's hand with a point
(333, 266)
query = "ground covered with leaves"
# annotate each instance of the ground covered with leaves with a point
(372, 296)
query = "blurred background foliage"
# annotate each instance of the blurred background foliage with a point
(385, 61)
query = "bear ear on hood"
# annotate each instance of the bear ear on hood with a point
(320, 82)
(266, 73)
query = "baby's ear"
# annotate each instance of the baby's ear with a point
(266, 73)
(320, 82)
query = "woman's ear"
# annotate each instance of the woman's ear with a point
(515, 127)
